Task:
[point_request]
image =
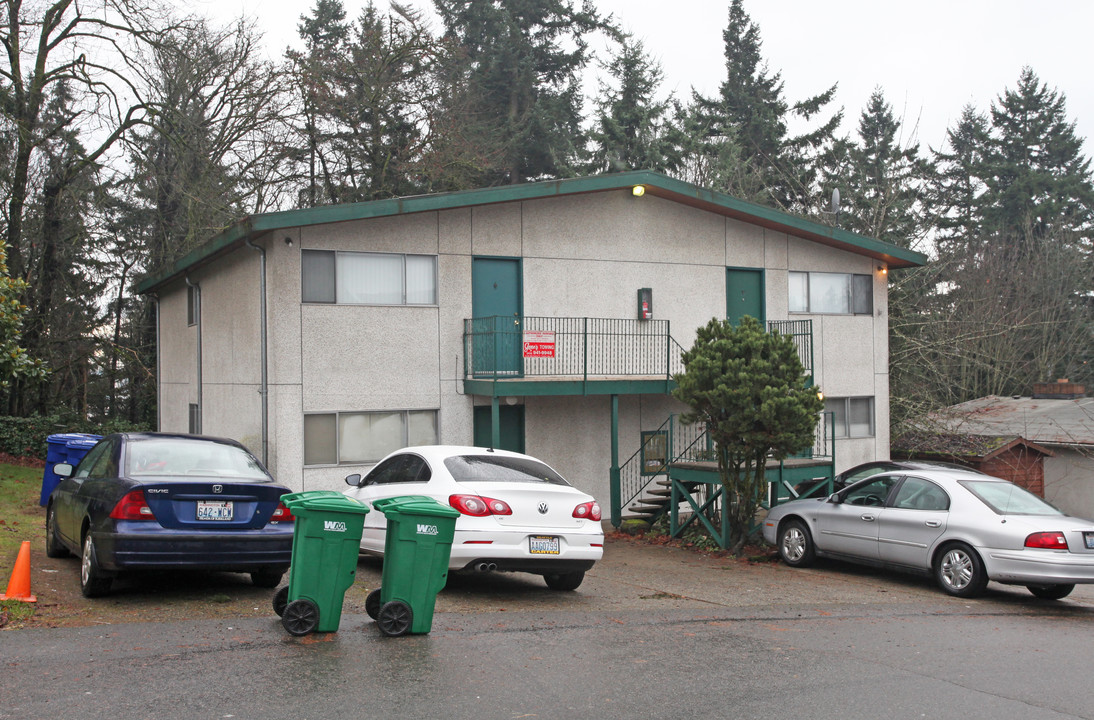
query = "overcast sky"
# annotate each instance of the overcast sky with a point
(931, 58)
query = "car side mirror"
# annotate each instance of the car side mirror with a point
(835, 499)
(63, 470)
(354, 479)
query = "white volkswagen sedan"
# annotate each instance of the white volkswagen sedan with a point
(516, 513)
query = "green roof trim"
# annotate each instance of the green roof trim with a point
(655, 183)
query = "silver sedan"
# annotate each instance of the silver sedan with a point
(962, 527)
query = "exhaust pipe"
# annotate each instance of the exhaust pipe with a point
(485, 567)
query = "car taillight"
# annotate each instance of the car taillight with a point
(1047, 541)
(479, 506)
(589, 510)
(132, 507)
(282, 514)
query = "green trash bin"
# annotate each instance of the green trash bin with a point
(417, 547)
(326, 543)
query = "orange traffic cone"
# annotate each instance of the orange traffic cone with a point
(19, 585)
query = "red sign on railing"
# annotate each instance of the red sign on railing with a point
(539, 344)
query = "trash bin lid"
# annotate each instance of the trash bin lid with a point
(82, 443)
(324, 500)
(415, 505)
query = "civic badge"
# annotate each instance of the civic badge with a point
(218, 489)
(542, 508)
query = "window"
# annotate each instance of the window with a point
(852, 417)
(192, 308)
(653, 452)
(365, 437)
(400, 469)
(355, 278)
(918, 494)
(831, 293)
(195, 419)
(872, 493)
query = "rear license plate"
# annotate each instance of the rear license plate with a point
(214, 509)
(543, 545)
(1088, 538)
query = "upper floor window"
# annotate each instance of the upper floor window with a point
(356, 278)
(833, 293)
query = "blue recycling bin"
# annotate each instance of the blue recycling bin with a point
(66, 448)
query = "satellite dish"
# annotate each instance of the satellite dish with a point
(835, 201)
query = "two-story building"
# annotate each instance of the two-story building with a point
(545, 317)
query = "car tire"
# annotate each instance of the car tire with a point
(281, 601)
(796, 544)
(564, 581)
(94, 581)
(300, 617)
(267, 578)
(54, 547)
(395, 618)
(1050, 592)
(959, 571)
(372, 603)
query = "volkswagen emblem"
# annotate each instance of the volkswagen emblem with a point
(542, 508)
(218, 489)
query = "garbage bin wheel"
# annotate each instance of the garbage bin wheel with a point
(395, 618)
(300, 617)
(372, 603)
(280, 600)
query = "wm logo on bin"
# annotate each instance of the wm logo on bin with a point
(334, 526)
(428, 529)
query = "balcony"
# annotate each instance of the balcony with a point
(568, 356)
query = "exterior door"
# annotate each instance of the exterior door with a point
(744, 294)
(511, 421)
(496, 299)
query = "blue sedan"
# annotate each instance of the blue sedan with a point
(155, 501)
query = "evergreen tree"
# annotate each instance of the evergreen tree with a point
(958, 187)
(523, 60)
(750, 112)
(633, 129)
(881, 179)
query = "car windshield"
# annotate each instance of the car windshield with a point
(157, 457)
(1008, 499)
(498, 468)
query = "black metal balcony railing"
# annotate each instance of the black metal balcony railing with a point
(503, 347)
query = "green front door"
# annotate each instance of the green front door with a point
(511, 419)
(496, 298)
(744, 294)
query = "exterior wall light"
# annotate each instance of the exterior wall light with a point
(883, 270)
(638, 190)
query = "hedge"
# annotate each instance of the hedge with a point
(26, 437)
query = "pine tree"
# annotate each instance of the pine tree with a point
(750, 112)
(633, 129)
(523, 60)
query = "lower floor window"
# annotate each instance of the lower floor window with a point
(364, 437)
(853, 417)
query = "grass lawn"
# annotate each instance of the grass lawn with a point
(21, 518)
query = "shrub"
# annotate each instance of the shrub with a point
(26, 437)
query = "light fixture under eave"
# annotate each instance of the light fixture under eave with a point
(883, 270)
(638, 190)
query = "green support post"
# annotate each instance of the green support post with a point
(614, 480)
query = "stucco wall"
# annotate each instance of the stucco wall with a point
(583, 255)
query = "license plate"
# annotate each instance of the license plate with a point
(543, 545)
(214, 509)
(1088, 538)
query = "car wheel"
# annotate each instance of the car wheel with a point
(796, 544)
(267, 578)
(94, 581)
(959, 571)
(564, 581)
(395, 618)
(300, 617)
(372, 603)
(1050, 592)
(54, 547)
(280, 601)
